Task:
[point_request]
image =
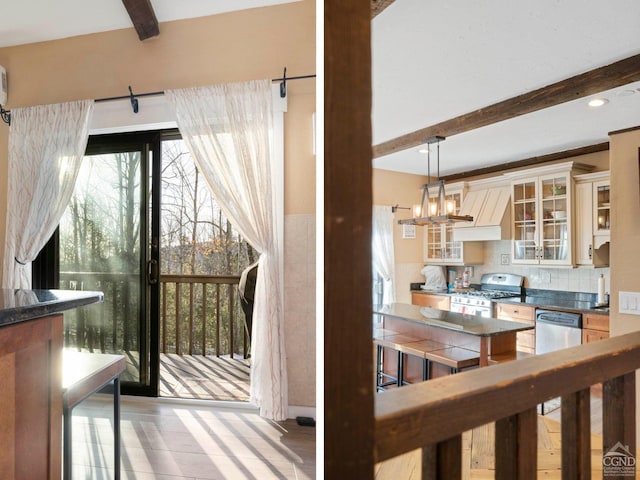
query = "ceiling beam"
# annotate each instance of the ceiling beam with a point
(143, 18)
(528, 162)
(595, 81)
(377, 6)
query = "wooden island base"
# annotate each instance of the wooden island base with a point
(31, 399)
(493, 340)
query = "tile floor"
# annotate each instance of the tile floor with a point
(196, 440)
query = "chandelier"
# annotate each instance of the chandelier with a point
(438, 210)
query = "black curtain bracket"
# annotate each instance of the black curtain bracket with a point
(5, 115)
(283, 84)
(134, 100)
(283, 81)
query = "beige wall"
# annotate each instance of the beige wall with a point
(625, 226)
(403, 189)
(238, 46)
(625, 233)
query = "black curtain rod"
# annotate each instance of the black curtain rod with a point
(6, 114)
(161, 92)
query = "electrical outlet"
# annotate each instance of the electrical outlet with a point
(504, 259)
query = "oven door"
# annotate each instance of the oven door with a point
(471, 309)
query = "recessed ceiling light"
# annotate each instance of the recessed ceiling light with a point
(423, 150)
(625, 93)
(598, 102)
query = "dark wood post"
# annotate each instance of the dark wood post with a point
(348, 352)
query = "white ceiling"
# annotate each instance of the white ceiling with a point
(433, 61)
(29, 21)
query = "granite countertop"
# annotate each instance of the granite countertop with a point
(459, 322)
(558, 303)
(21, 305)
(550, 299)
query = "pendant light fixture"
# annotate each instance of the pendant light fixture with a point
(437, 210)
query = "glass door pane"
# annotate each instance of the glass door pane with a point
(555, 238)
(524, 207)
(603, 219)
(103, 245)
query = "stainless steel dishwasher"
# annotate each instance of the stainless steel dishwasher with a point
(555, 331)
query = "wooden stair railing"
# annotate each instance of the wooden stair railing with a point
(433, 415)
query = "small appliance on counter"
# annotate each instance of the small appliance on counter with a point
(434, 279)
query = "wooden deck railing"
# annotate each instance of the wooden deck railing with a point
(433, 415)
(199, 314)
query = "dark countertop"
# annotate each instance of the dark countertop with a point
(549, 299)
(459, 322)
(558, 303)
(22, 305)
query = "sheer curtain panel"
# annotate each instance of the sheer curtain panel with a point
(382, 250)
(228, 129)
(46, 145)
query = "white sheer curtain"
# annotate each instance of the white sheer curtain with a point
(228, 129)
(46, 145)
(382, 250)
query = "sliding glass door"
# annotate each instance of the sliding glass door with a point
(108, 241)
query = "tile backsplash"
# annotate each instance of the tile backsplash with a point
(582, 279)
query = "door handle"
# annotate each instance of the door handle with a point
(590, 252)
(152, 272)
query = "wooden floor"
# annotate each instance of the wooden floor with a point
(204, 377)
(172, 440)
(478, 450)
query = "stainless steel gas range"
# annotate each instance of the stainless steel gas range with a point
(492, 286)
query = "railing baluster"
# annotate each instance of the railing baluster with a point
(114, 316)
(231, 322)
(619, 413)
(191, 338)
(178, 326)
(204, 319)
(576, 435)
(163, 317)
(217, 319)
(516, 441)
(443, 461)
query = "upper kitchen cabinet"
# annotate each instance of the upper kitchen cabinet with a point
(593, 219)
(542, 214)
(439, 246)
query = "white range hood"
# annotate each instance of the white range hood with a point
(491, 213)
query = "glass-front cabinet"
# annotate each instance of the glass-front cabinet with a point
(593, 219)
(542, 217)
(602, 219)
(439, 247)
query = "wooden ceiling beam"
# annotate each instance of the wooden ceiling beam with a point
(528, 162)
(143, 18)
(377, 6)
(595, 81)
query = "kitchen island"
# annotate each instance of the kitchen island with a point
(490, 337)
(31, 342)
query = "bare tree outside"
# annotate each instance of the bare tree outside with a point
(101, 247)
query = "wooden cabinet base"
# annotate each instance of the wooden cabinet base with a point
(31, 399)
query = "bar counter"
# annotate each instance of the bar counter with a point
(31, 341)
(459, 322)
(22, 305)
(490, 337)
